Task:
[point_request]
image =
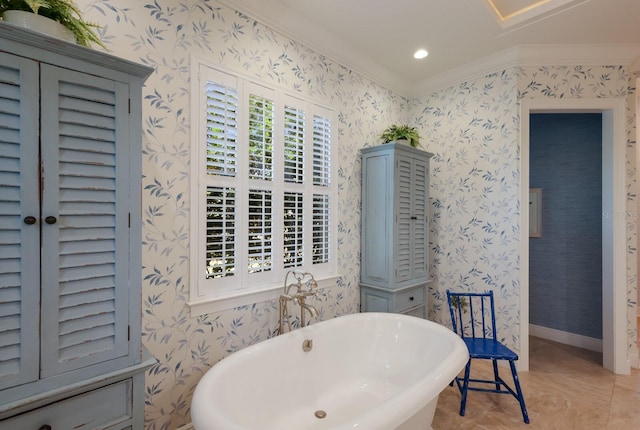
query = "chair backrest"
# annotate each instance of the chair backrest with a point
(473, 314)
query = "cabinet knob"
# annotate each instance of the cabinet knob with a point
(411, 298)
(50, 219)
(414, 217)
(45, 427)
(30, 220)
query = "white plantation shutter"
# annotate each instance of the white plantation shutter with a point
(84, 150)
(259, 240)
(222, 128)
(322, 210)
(19, 242)
(294, 144)
(220, 232)
(260, 151)
(264, 200)
(293, 162)
(293, 229)
(321, 228)
(321, 151)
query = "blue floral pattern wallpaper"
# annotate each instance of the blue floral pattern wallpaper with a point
(472, 127)
(164, 34)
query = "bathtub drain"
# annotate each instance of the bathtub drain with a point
(320, 414)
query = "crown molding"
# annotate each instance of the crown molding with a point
(468, 71)
(534, 55)
(570, 55)
(292, 25)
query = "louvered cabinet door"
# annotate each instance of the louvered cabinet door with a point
(419, 224)
(19, 234)
(403, 217)
(411, 228)
(85, 243)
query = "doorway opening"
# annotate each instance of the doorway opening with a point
(565, 240)
(614, 290)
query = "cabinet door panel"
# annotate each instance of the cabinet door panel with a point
(412, 176)
(85, 271)
(19, 241)
(376, 230)
(420, 233)
(404, 213)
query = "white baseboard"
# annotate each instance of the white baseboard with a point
(634, 360)
(634, 357)
(566, 338)
(186, 427)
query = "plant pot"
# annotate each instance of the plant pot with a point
(38, 23)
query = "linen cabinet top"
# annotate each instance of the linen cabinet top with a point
(39, 47)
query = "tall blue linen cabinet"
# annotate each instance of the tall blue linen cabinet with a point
(395, 229)
(70, 236)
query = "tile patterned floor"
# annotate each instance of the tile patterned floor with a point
(565, 388)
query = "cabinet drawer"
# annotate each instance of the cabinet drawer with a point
(410, 298)
(97, 409)
(420, 312)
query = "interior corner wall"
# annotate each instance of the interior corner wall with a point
(565, 263)
(164, 35)
(472, 128)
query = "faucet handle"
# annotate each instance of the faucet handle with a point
(313, 284)
(307, 293)
(287, 298)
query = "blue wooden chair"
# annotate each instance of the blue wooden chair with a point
(473, 318)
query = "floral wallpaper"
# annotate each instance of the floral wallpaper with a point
(599, 82)
(164, 34)
(472, 128)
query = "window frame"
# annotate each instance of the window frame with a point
(212, 295)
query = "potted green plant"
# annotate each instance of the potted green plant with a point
(64, 12)
(401, 132)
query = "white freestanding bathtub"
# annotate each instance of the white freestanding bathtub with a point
(368, 371)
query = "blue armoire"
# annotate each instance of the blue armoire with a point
(70, 236)
(395, 229)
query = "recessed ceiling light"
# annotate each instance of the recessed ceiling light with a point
(420, 54)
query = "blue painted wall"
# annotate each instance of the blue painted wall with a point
(565, 280)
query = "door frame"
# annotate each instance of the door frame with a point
(614, 288)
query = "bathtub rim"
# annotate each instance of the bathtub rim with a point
(415, 396)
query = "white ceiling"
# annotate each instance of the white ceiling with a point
(378, 37)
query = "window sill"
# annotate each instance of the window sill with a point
(234, 299)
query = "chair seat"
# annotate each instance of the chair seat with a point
(488, 349)
(473, 318)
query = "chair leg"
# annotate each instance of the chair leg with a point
(516, 382)
(496, 375)
(465, 388)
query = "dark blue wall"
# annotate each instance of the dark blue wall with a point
(565, 271)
